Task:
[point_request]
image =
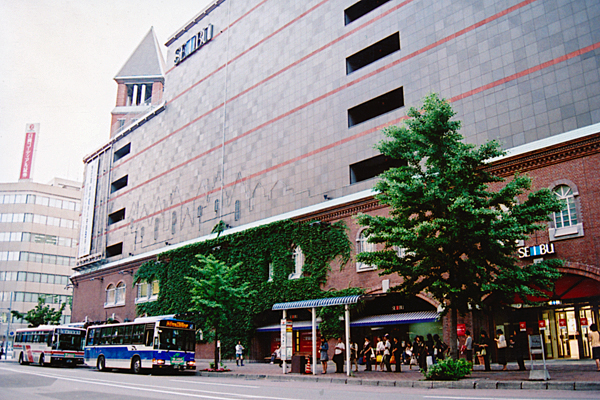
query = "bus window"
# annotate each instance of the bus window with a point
(127, 329)
(149, 337)
(106, 337)
(176, 339)
(138, 334)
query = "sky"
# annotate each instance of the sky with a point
(58, 59)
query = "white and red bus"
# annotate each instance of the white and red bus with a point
(49, 345)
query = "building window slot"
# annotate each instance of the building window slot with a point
(118, 184)
(375, 107)
(116, 216)
(361, 8)
(372, 167)
(373, 53)
(122, 152)
(114, 250)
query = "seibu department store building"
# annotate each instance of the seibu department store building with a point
(267, 110)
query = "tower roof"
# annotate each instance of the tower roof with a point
(146, 60)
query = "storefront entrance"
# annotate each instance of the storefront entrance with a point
(566, 334)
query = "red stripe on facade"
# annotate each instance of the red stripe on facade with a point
(367, 132)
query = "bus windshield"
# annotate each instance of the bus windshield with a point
(176, 339)
(70, 340)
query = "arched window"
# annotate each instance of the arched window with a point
(110, 295)
(120, 293)
(363, 246)
(566, 223)
(298, 263)
(568, 215)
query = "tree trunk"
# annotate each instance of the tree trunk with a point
(453, 334)
(217, 348)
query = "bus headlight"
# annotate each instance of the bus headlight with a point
(158, 362)
(191, 363)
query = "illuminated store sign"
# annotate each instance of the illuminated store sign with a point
(193, 44)
(539, 250)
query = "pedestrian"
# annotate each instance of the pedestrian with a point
(1, 350)
(276, 356)
(420, 352)
(379, 349)
(440, 348)
(324, 356)
(397, 355)
(338, 355)
(519, 345)
(367, 353)
(484, 349)
(387, 352)
(502, 345)
(594, 338)
(239, 354)
(469, 347)
(354, 355)
(429, 344)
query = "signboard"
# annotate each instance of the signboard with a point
(535, 344)
(87, 208)
(193, 44)
(176, 324)
(583, 321)
(542, 325)
(287, 340)
(31, 131)
(538, 250)
(522, 326)
(461, 329)
(562, 323)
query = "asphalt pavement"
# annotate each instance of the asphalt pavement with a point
(564, 375)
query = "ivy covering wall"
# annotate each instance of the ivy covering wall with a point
(256, 248)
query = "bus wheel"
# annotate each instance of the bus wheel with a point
(136, 365)
(42, 360)
(101, 364)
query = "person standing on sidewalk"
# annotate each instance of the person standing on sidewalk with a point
(594, 338)
(239, 353)
(502, 345)
(484, 349)
(518, 343)
(338, 356)
(324, 356)
(367, 353)
(387, 352)
(469, 347)
(397, 352)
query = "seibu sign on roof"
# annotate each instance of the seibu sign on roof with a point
(31, 131)
(193, 44)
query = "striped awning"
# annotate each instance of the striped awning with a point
(297, 326)
(396, 319)
(333, 301)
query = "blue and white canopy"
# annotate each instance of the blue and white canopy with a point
(332, 301)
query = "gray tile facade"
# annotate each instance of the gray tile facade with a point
(259, 114)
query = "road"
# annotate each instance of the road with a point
(43, 383)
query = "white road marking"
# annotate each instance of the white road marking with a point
(216, 384)
(145, 388)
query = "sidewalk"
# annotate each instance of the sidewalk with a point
(564, 375)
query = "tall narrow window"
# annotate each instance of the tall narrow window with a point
(568, 215)
(120, 294)
(567, 222)
(110, 295)
(298, 263)
(363, 246)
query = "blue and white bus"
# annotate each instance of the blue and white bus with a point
(147, 342)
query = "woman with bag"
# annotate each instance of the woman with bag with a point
(501, 343)
(324, 356)
(366, 353)
(379, 354)
(484, 349)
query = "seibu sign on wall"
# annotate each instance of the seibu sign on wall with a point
(31, 131)
(533, 251)
(193, 44)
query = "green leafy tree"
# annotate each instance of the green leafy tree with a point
(458, 237)
(218, 294)
(41, 314)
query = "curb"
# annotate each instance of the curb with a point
(462, 384)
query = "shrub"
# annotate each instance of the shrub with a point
(448, 370)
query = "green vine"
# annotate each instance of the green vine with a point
(256, 249)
